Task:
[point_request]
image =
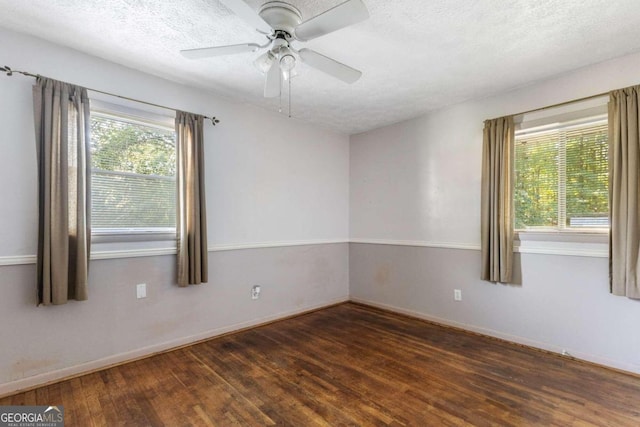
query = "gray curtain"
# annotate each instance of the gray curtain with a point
(61, 113)
(497, 200)
(192, 212)
(624, 186)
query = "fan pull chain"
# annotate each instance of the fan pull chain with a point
(290, 95)
(280, 107)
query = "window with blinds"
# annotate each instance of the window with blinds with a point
(133, 175)
(562, 177)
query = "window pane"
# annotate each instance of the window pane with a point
(133, 174)
(536, 181)
(132, 201)
(587, 177)
(562, 177)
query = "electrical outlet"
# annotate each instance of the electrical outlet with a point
(457, 295)
(141, 290)
(255, 292)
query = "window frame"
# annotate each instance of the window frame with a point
(561, 234)
(134, 113)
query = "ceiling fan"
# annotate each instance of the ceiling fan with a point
(282, 24)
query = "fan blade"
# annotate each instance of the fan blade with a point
(345, 14)
(329, 66)
(250, 16)
(207, 52)
(273, 81)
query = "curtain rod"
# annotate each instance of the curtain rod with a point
(10, 72)
(561, 104)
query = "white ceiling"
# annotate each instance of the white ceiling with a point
(415, 55)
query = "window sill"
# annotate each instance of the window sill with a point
(589, 243)
(132, 243)
(599, 235)
(115, 236)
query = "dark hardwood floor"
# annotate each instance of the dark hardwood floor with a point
(347, 365)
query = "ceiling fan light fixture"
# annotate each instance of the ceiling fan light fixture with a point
(264, 61)
(282, 25)
(287, 62)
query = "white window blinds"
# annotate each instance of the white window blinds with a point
(133, 176)
(561, 176)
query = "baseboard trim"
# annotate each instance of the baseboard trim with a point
(602, 362)
(47, 378)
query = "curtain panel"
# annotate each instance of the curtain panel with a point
(624, 188)
(497, 211)
(61, 113)
(192, 215)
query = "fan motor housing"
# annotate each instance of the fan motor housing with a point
(281, 16)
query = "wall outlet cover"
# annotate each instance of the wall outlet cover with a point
(141, 290)
(255, 292)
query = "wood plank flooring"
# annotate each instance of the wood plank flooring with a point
(347, 365)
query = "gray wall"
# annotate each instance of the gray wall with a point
(45, 343)
(415, 210)
(562, 303)
(411, 188)
(271, 182)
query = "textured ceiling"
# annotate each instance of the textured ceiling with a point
(415, 55)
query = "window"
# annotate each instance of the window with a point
(562, 177)
(133, 175)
